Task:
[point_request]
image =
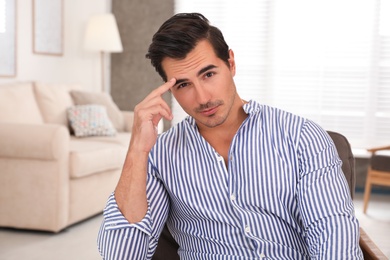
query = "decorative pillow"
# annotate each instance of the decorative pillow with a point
(104, 99)
(90, 120)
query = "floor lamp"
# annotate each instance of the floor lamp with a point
(102, 35)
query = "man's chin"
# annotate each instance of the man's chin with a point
(211, 121)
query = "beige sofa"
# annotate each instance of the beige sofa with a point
(49, 178)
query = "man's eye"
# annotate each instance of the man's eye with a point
(209, 74)
(182, 85)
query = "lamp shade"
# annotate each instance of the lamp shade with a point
(102, 34)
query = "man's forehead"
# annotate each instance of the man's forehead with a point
(201, 56)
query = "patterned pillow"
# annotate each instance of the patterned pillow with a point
(90, 120)
(104, 99)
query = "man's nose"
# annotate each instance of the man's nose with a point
(202, 94)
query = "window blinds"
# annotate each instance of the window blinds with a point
(327, 60)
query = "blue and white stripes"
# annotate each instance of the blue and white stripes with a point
(282, 195)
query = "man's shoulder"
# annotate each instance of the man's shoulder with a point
(270, 113)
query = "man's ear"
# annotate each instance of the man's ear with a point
(232, 62)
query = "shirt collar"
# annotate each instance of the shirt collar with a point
(251, 106)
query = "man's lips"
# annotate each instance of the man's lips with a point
(210, 108)
(209, 111)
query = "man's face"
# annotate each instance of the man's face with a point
(204, 84)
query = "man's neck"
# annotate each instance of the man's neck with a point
(229, 127)
(220, 137)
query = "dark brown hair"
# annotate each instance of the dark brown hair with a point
(179, 35)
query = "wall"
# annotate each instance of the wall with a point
(76, 65)
(133, 77)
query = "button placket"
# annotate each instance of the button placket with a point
(247, 229)
(219, 157)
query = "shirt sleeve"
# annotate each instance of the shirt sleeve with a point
(331, 229)
(119, 239)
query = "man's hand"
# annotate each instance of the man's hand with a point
(147, 115)
(130, 193)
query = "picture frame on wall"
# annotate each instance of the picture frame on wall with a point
(48, 27)
(8, 13)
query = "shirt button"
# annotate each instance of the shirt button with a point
(247, 229)
(262, 255)
(232, 197)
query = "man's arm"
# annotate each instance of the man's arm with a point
(331, 229)
(128, 207)
(130, 192)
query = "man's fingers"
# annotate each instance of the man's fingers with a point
(163, 88)
(163, 110)
(160, 109)
(166, 86)
(153, 107)
(156, 102)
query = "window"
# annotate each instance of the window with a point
(2, 16)
(327, 60)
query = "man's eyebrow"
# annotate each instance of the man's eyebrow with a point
(179, 81)
(209, 67)
(203, 70)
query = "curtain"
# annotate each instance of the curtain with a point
(326, 60)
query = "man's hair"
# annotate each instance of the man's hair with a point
(179, 35)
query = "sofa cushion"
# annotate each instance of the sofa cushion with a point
(121, 138)
(88, 156)
(18, 104)
(90, 120)
(53, 101)
(114, 113)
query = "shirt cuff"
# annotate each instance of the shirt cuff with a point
(114, 219)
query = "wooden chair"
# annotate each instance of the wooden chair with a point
(369, 248)
(167, 246)
(378, 172)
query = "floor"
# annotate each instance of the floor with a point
(79, 241)
(76, 242)
(376, 223)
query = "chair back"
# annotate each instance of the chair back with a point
(345, 153)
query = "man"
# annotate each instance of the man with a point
(235, 179)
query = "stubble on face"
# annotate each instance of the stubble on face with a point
(213, 119)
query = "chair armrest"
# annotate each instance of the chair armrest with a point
(370, 250)
(375, 149)
(38, 141)
(129, 120)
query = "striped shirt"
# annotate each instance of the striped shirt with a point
(282, 196)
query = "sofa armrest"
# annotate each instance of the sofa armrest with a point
(33, 141)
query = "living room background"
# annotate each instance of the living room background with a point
(76, 65)
(352, 98)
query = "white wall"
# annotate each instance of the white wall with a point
(75, 65)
